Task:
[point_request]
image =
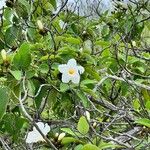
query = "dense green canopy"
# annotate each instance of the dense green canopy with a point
(74, 82)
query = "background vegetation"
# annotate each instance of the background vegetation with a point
(108, 109)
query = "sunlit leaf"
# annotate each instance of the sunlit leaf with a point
(83, 126)
(90, 147)
(144, 122)
(22, 59)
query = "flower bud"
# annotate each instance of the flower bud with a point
(81, 49)
(134, 43)
(94, 124)
(40, 25)
(61, 136)
(84, 32)
(56, 135)
(87, 115)
(42, 30)
(4, 55)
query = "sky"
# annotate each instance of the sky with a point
(82, 4)
(84, 7)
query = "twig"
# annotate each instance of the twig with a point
(4, 144)
(105, 104)
(121, 79)
(30, 118)
(130, 82)
(126, 136)
(61, 8)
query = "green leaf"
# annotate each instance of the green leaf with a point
(52, 97)
(11, 35)
(82, 97)
(145, 36)
(73, 40)
(136, 104)
(83, 126)
(89, 91)
(102, 43)
(145, 94)
(105, 30)
(93, 73)
(13, 125)
(8, 15)
(90, 147)
(69, 131)
(53, 2)
(78, 147)
(25, 4)
(124, 88)
(30, 73)
(39, 98)
(30, 87)
(147, 105)
(68, 140)
(64, 87)
(44, 68)
(22, 59)
(141, 69)
(17, 74)
(104, 145)
(4, 98)
(144, 122)
(88, 81)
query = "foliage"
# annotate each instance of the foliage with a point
(114, 50)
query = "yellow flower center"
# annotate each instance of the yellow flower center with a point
(71, 71)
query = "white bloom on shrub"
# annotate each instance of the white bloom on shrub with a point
(71, 71)
(34, 136)
(2, 3)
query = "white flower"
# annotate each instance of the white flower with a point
(34, 136)
(2, 4)
(70, 71)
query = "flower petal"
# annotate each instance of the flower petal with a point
(33, 137)
(40, 125)
(76, 78)
(65, 78)
(80, 69)
(63, 68)
(72, 63)
(39, 137)
(30, 137)
(46, 129)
